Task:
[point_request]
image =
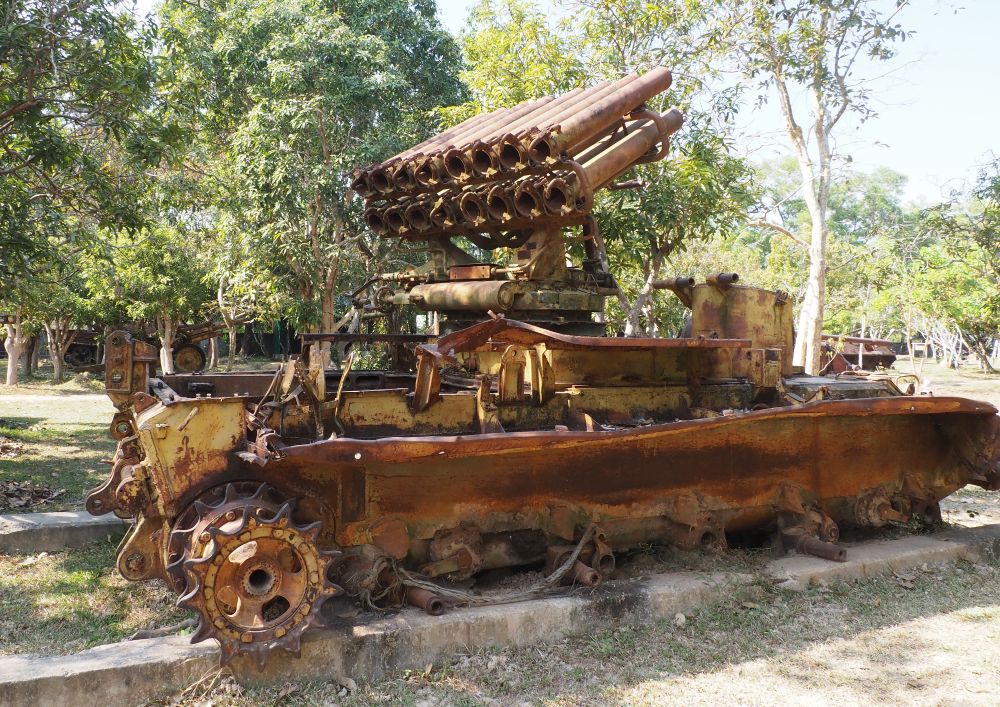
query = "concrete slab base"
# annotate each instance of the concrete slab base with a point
(879, 557)
(28, 533)
(133, 672)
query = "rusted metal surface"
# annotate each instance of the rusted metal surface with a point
(847, 353)
(451, 502)
(507, 443)
(518, 167)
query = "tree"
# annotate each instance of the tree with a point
(515, 53)
(812, 47)
(868, 250)
(287, 98)
(960, 269)
(73, 76)
(157, 278)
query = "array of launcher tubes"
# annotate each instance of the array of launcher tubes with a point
(534, 164)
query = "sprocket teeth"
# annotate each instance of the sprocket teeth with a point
(195, 562)
(215, 531)
(261, 491)
(310, 530)
(284, 514)
(206, 539)
(203, 632)
(190, 599)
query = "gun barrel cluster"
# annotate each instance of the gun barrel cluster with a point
(496, 175)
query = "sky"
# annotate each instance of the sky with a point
(938, 105)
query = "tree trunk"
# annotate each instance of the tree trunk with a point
(213, 353)
(55, 337)
(15, 344)
(633, 320)
(231, 353)
(166, 328)
(36, 354)
(28, 356)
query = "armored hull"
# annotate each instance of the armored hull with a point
(488, 455)
(515, 434)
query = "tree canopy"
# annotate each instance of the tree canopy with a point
(199, 164)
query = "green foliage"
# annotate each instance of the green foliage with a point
(72, 78)
(156, 275)
(282, 100)
(514, 54)
(958, 271)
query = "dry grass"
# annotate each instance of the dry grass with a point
(866, 642)
(968, 382)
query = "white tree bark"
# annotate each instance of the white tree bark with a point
(15, 344)
(213, 353)
(166, 328)
(816, 194)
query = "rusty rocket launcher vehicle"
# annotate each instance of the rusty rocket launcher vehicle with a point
(519, 436)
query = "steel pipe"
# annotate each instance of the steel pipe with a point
(723, 280)
(567, 104)
(473, 207)
(484, 159)
(476, 296)
(587, 576)
(527, 199)
(418, 217)
(444, 215)
(500, 204)
(426, 600)
(556, 196)
(373, 217)
(395, 220)
(581, 125)
(621, 155)
(511, 154)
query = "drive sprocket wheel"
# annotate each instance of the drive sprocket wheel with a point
(256, 579)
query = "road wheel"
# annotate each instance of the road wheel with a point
(189, 358)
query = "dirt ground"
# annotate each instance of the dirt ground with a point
(927, 637)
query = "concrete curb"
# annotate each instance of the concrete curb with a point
(133, 672)
(879, 557)
(26, 533)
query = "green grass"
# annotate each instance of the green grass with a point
(68, 601)
(65, 439)
(42, 383)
